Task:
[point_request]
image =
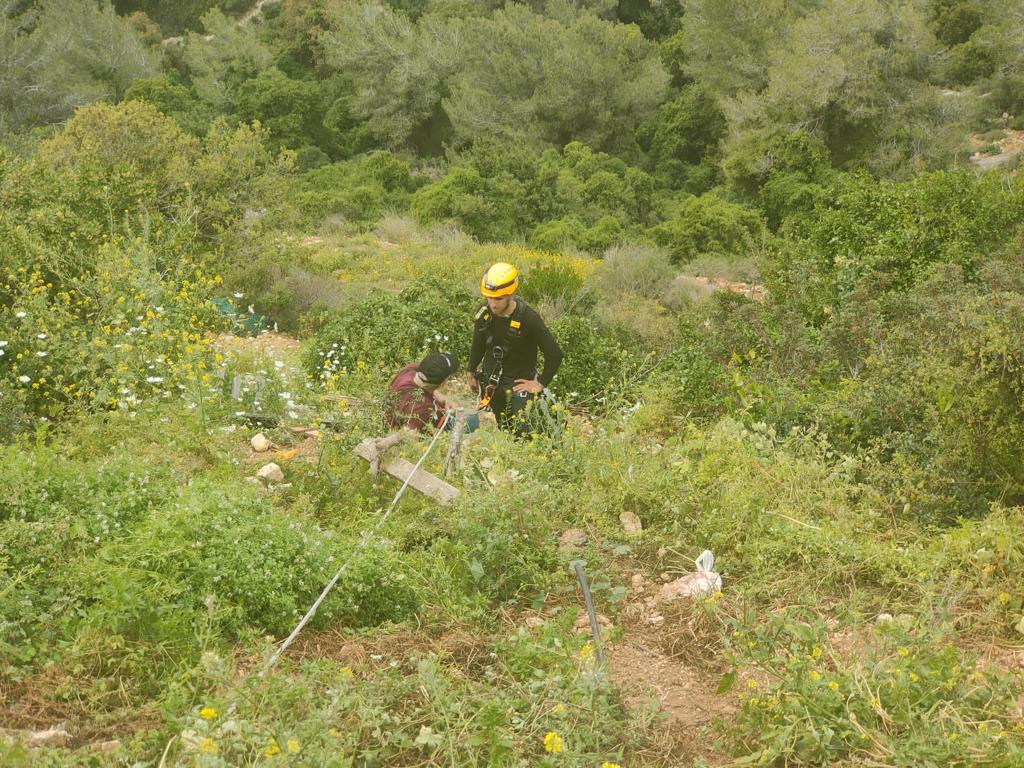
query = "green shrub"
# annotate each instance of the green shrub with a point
(556, 234)
(633, 269)
(386, 331)
(263, 569)
(911, 697)
(362, 190)
(599, 363)
(968, 62)
(486, 207)
(708, 225)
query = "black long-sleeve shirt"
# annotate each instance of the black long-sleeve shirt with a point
(520, 360)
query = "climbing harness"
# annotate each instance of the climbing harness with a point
(499, 350)
(363, 540)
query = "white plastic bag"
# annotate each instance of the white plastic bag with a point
(703, 581)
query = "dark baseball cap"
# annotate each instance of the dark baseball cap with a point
(438, 366)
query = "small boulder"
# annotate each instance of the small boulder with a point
(260, 443)
(631, 523)
(572, 538)
(270, 473)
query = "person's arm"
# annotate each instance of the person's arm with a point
(552, 352)
(476, 351)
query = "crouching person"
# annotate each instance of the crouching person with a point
(413, 400)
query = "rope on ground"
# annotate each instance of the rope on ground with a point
(363, 539)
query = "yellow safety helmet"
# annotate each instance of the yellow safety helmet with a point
(502, 279)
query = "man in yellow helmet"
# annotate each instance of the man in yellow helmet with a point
(506, 339)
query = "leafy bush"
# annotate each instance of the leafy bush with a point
(686, 136)
(361, 190)
(708, 225)
(386, 331)
(895, 231)
(633, 269)
(599, 363)
(968, 62)
(912, 697)
(262, 569)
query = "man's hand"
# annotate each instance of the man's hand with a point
(473, 383)
(528, 385)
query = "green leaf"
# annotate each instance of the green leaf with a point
(476, 570)
(726, 683)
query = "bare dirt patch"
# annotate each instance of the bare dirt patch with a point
(268, 342)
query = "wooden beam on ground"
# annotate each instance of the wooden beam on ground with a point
(400, 469)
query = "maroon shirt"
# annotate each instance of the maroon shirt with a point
(408, 405)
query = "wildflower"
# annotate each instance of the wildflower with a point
(208, 713)
(833, 685)
(272, 749)
(902, 652)
(293, 745)
(1003, 598)
(3, 342)
(610, 765)
(41, 353)
(913, 677)
(208, 746)
(552, 742)
(815, 675)
(19, 315)
(752, 684)
(816, 652)
(154, 379)
(24, 379)
(41, 336)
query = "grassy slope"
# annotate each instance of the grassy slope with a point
(130, 646)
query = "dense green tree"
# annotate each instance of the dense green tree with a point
(784, 174)
(708, 226)
(954, 21)
(180, 16)
(725, 43)
(62, 54)
(223, 57)
(686, 136)
(174, 100)
(399, 68)
(521, 79)
(856, 74)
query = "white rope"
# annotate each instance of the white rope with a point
(363, 539)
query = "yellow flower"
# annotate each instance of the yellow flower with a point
(1003, 598)
(816, 652)
(208, 746)
(273, 749)
(208, 713)
(902, 652)
(552, 742)
(751, 684)
(833, 685)
(293, 745)
(914, 678)
(815, 675)
(610, 765)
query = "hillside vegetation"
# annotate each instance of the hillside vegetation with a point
(844, 429)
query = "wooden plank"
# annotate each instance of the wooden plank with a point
(400, 469)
